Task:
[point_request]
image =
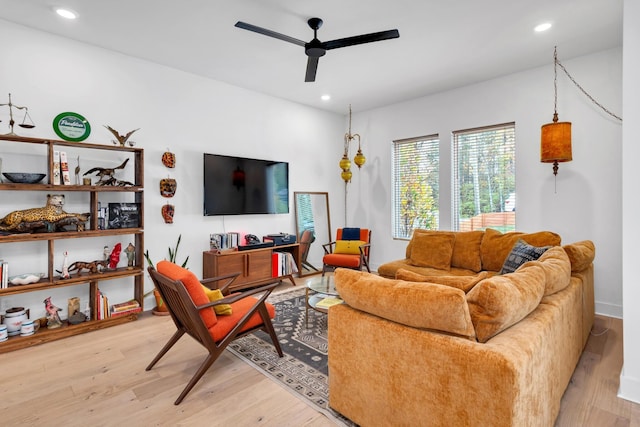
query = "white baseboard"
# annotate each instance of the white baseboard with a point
(629, 388)
(609, 310)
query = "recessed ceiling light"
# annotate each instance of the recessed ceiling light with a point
(325, 97)
(66, 13)
(542, 27)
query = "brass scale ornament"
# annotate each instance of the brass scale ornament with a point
(27, 123)
(359, 159)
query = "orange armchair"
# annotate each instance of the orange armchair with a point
(351, 249)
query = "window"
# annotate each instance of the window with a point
(484, 178)
(415, 185)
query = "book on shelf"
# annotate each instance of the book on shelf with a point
(64, 168)
(57, 180)
(123, 215)
(218, 241)
(282, 264)
(124, 306)
(126, 312)
(328, 302)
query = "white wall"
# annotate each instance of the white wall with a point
(630, 376)
(587, 204)
(183, 112)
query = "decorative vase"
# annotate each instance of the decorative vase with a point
(161, 307)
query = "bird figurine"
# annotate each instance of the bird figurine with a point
(121, 139)
(106, 174)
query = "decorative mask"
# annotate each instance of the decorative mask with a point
(168, 187)
(167, 213)
(169, 159)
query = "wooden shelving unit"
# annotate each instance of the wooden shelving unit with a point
(52, 280)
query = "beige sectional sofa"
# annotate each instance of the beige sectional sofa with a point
(451, 342)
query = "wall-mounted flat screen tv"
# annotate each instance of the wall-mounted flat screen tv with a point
(238, 185)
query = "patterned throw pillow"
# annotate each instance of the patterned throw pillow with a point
(521, 253)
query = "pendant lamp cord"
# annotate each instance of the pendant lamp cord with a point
(558, 63)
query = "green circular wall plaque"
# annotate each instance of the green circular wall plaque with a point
(71, 126)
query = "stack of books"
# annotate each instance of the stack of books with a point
(125, 308)
(4, 274)
(223, 240)
(282, 264)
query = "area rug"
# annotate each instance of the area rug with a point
(303, 369)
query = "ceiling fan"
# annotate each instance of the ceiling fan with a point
(315, 48)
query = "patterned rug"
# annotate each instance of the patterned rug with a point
(303, 369)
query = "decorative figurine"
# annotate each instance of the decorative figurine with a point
(106, 175)
(167, 213)
(114, 258)
(130, 251)
(65, 266)
(122, 139)
(77, 172)
(50, 217)
(106, 252)
(94, 266)
(53, 318)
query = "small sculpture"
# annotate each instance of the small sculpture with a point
(94, 266)
(106, 175)
(51, 217)
(53, 318)
(131, 254)
(77, 172)
(122, 139)
(106, 252)
(65, 266)
(114, 258)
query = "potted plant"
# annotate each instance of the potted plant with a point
(161, 308)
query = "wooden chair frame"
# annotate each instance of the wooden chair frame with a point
(186, 316)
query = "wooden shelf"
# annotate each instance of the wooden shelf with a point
(44, 335)
(11, 144)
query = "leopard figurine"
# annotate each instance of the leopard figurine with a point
(51, 217)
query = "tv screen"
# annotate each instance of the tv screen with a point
(238, 185)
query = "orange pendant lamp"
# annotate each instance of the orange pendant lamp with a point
(555, 141)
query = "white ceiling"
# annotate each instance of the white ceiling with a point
(442, 44)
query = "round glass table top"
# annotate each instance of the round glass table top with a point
(322, 284)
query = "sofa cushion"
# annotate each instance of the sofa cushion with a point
(193, 287)
(465, 283)
(351, 247)
(420, 305)
(466, 250)
(581, 254)
(499, 302)
(521, 253)
(432, 250)
(557, 269)
(496, 246)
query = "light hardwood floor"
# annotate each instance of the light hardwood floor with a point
(99, 379)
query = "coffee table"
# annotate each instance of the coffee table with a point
(320, 288)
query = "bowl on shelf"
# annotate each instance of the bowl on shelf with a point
(23, 177)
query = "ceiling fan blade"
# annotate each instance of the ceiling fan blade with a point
(312, 67)
(269, 33)
(364, 38)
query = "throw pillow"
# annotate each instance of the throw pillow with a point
(499, 302)
(432, 250)
(351, 247)
(466, 250)
(581, 254)
(557, 269)
(419, 305)
(496, 246)
(521, 253)
(465, 283)
(350, 233)
(215, 295)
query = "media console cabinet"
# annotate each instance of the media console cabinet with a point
(254, 265)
